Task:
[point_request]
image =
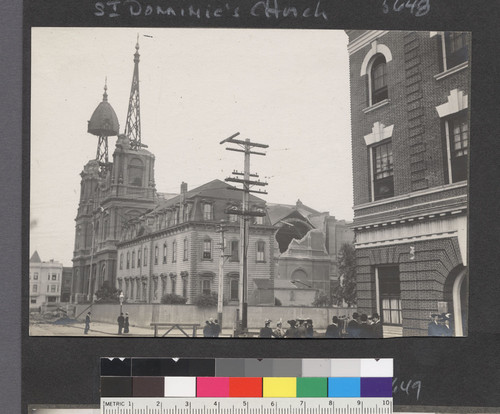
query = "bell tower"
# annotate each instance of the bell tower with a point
(111, 193)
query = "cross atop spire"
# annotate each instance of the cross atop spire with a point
(133, 124)
(105, 94)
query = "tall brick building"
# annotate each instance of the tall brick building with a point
(410, 142)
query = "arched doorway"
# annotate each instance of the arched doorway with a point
(456, 294)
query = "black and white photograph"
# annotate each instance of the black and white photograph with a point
(250, 183)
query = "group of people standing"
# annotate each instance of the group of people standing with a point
(440, 325)
(360, 326)
(299, 328)
(211, 329)
(123, 323)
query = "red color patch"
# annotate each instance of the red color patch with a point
(245, 387)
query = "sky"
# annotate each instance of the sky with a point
(288, 89)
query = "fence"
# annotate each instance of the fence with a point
(141, 314)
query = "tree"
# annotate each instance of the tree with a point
(107, 293)
(206, 301)
(322, 300)
(346, 290)
(173, 299)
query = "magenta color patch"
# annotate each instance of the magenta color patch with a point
(212, 387)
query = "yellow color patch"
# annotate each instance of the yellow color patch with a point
(279, 387)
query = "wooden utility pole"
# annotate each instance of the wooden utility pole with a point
(220, 296)
(246, 148)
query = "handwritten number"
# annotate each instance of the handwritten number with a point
(385, 7)
(417, 8)
(424, 7)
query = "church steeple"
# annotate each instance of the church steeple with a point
(103, 124)
(133, 124)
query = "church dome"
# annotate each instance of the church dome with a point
(104, 121)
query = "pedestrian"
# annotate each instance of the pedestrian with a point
(333, 330)
(207, 330)
(301, 329)
(434, 329)
(446, 327)
(266, 331)
(279, 332)
(292, 331)
(309, 328)
(376, 326)
(353, 326)
(87, 323)
(216, 329)
(126, 324)
(121, 321)
(364, 329)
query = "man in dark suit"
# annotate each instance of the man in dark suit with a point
(266, 331)
(207, 330)
(364, 329)
(292, 331)
(216, 328)
(434, 328)
(121, 321)
(87, 324)
(353, 326)
(376, 326)
(333, 330)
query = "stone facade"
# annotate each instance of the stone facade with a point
(410, 143)
(107, 202)
(308, 243)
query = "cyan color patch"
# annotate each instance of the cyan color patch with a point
(344, 387)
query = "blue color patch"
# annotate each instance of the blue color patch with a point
(344, 387)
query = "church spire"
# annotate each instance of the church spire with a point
(105, 94)
(133, 124)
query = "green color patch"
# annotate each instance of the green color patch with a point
(312, 387)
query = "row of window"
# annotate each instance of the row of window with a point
(132, 262)
(206, 288)
(50, 288)
(453, 52)
(53, 276)
(455, 149)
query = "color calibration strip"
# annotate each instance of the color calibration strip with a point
(246, 367)
(258, 378)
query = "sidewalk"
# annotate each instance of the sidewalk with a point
(103, 329)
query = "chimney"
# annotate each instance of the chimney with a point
(184, 188)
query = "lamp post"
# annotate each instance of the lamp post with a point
(121, 301)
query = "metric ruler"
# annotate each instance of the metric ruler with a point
(144, 405)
